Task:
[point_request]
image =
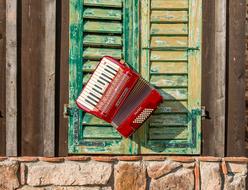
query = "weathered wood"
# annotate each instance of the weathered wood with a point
(168, 4)
(214, 71)
(169, 80)
(100, 132)
(168, 120)
(174, 93)
(2, 78)
(97, 53)
(163, 133)
(101, 40)
(169, 67)
(103, 3)
(11, 78)
(62, 72)
(48, 76)
(89, 119)
(38, 78)
(103, 27)
(173, 107)
(102, 14)
(169, 55)
(236, 79)
(169, 29)
(169, 16)
(89, 66)
(169, 41)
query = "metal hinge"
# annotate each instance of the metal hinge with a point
(68, 111)
(204, 113)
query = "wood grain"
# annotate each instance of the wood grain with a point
(236, 79)
(11, 78)
(213, 78)
(2, 79)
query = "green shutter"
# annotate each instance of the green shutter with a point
(98, 28)
(171, 61)
(169, 42)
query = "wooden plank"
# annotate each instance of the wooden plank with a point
(102, 14)
(169, 80)
(103, 3)
(169, 16)
(62, 85)
(169, 4)
(97, 53)
(169, 29)
(102, 40)
(213, 76)
(2, 78)
(169, 67)
(172, 107)
(169, 55)
(174, 93)
(90, 66)
(236, 79)
(168, 120)
(86, 77)
(169, 41)
(48, 76)
(11, 78)
(38, 78)
(89, 119)
(103, 27)
(100, 132)
(165, 133)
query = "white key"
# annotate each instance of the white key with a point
(81, 101)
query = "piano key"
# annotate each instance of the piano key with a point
(112, 68)
(90, 102)
(92, 99)
(97, 91)
(106, 73)
(111, 64)
(86, 94)
(96, 94)
(93, 95)
(89, 106)
(111, 72)
(107, 76)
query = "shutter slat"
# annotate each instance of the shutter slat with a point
(169, 80)
(169, 120)
(168, 67)
(169, 29)
(169, 16)
(102, 40)
(103, 3)
(173, 107)
(89, 119)
(166, 133)
(169, 41)
(103, 27)
(97, 53)
(102, 14)
(102, 132)
(174, 93)
(86, 77)
(169, 55)
(89, 66)
(169, 4)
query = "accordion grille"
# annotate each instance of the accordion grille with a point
(139, 92)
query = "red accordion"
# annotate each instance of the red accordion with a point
(118, 95)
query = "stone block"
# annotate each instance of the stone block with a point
(181, 179)
(235, 182)
(8, 175)
(235, 167)
(130, 176)
(68, 173)
(158, 169)
(210, 174)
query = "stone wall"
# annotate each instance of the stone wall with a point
(123, 173)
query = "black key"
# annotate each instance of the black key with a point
(104, 79)
(94, 95)
(90, 102)
(111, 68)
(92, 99)
(107, 77)
(109, 71)
(96, 91)
(97, 86)
(101, 82)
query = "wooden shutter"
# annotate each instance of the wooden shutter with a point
(98, 28)
(171, 60)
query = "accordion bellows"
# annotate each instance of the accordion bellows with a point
(119, 95)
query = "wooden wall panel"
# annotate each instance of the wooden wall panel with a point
(236, 79)
(37, 77)
(62, 77)
(213, 76)
(2, 78)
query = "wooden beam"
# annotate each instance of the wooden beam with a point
(214, 76)
(11, 78)
(38, 77)
(2, 78)
(236, 79)
(62, 70)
